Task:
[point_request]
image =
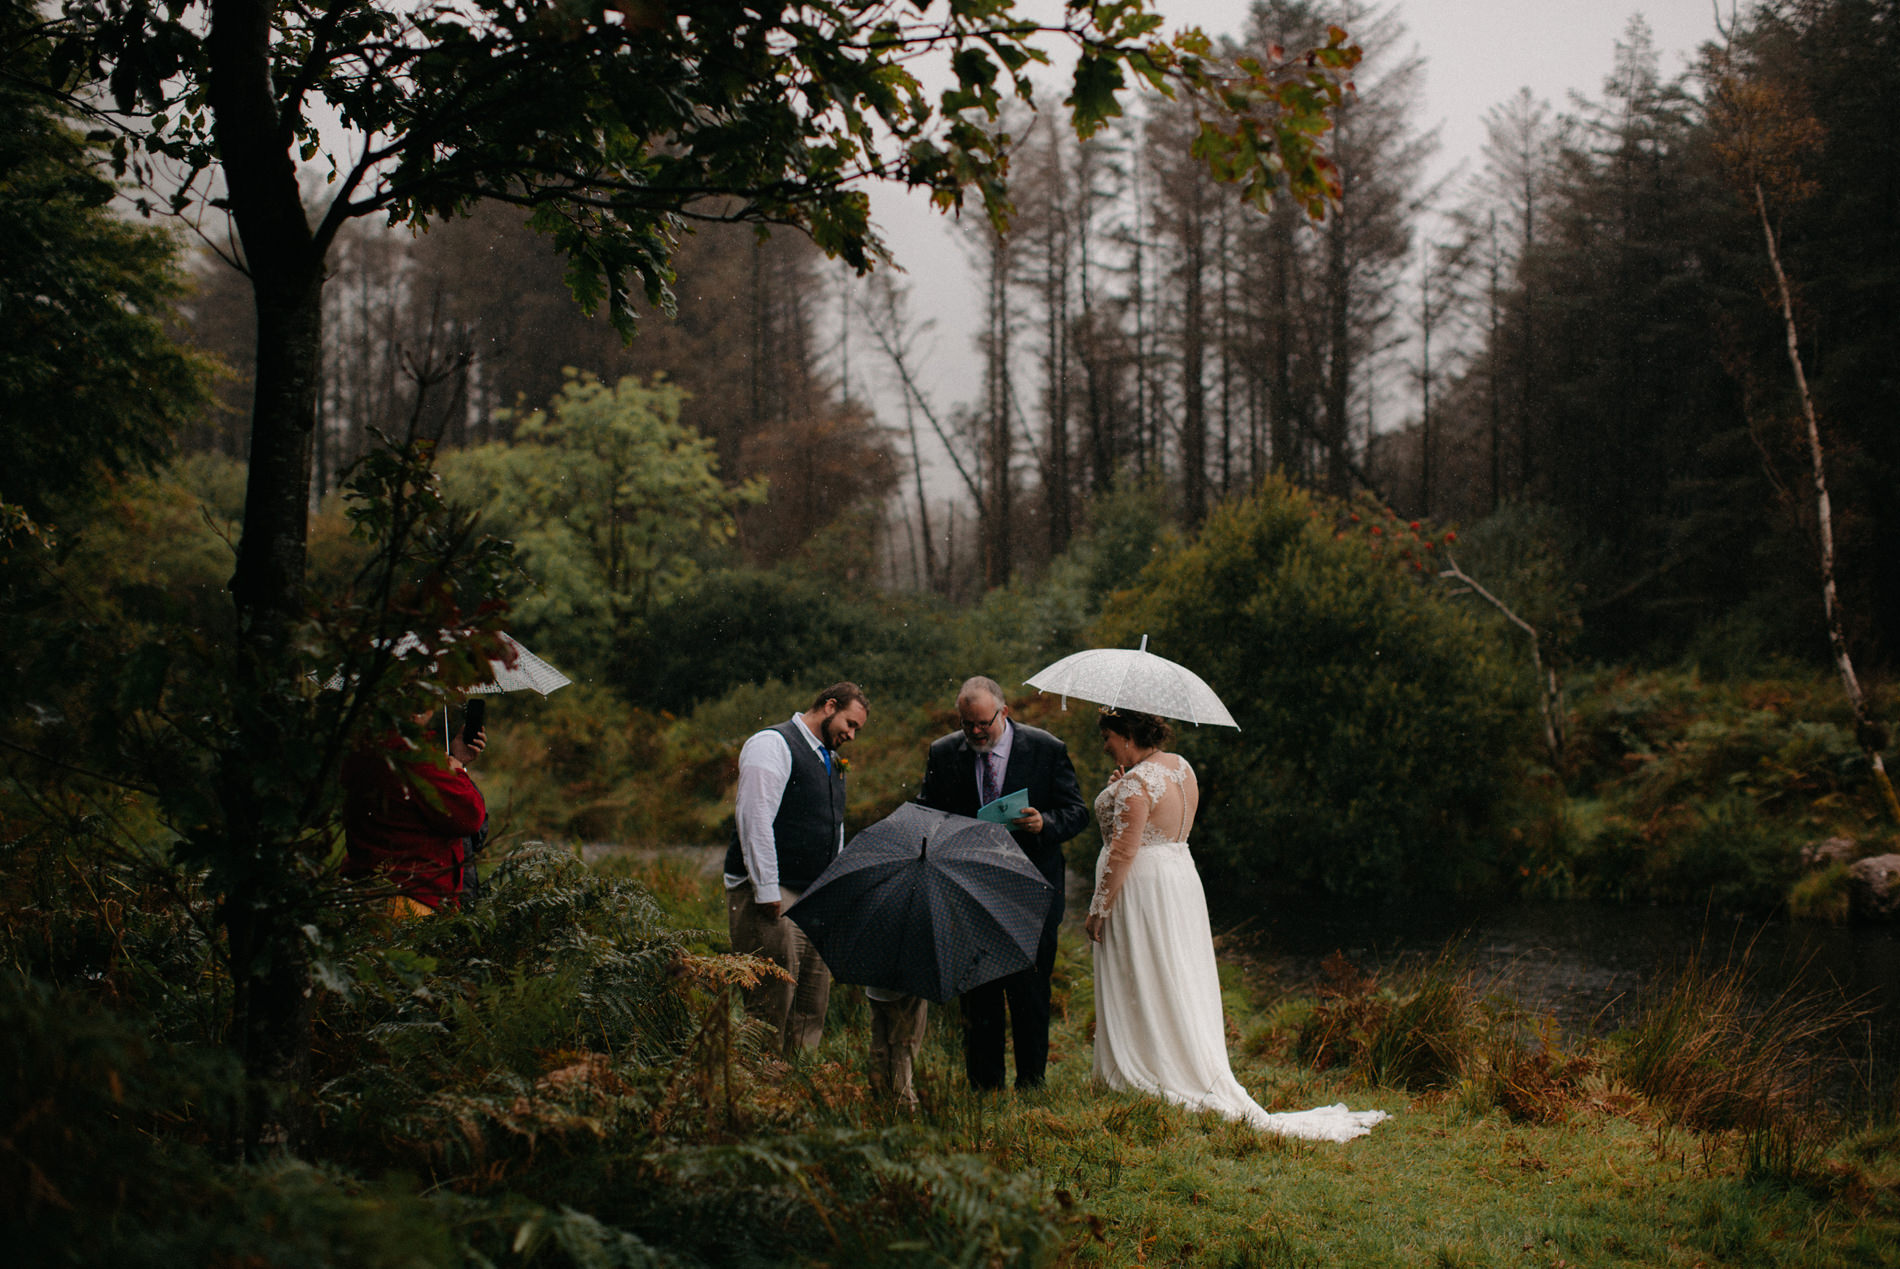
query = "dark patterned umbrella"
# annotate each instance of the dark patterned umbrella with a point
(926, 903)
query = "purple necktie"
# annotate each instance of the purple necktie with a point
(989, 778)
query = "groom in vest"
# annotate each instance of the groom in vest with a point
(788, 820)
(985, 758)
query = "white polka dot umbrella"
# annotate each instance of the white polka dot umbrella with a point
(1134, 679)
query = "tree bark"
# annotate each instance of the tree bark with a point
(1551, 692)
(287, 280)
(269, 957)
(1194, 357)
(1280, 363)
(997, 561)
(1427, 317)
(1338, 396)
(1867, 730)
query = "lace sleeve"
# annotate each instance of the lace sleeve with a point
(1132, 803)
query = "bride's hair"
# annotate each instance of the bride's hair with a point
(1145, 730)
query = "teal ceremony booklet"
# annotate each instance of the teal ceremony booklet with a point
(1006, 809)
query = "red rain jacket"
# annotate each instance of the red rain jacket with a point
(404, 816)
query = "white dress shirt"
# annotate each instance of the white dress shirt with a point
(765, 768)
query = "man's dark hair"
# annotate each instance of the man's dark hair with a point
(1145, 730)
(843, 693)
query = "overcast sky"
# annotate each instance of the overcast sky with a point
(1476, 54)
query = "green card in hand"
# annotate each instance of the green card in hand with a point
(1006, 809)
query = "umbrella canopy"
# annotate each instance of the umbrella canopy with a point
(1137, 679)
(926, 903)
(529, 673)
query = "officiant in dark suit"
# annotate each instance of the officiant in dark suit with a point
(987, 757)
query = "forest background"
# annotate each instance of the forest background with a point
(1171, 439)
(1600, 401)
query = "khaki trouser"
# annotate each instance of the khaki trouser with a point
(897, 1032)
(797, 1008)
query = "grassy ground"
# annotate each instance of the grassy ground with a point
(1450, 1180)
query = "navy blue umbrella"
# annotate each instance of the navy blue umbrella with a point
(926, 903)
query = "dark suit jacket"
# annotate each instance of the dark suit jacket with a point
(1039, 763)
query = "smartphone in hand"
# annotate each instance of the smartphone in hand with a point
(473, 716)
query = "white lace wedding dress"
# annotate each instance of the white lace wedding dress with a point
(1158, 1023)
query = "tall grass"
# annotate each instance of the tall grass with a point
(1705, 1048)
(1708, 1049)
(1433, 1027)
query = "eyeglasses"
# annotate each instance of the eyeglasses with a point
(984, 723)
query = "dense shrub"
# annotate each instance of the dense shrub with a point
(736, 628)
(614, 506)
(1705, 792)
(551, 1077)
(1376, 710)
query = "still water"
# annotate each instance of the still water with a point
(1583, 963)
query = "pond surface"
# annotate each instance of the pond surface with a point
(1584, 963)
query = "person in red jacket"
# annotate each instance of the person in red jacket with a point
(406, 813)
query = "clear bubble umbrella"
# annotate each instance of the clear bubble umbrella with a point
(1134, 679)
(520, 671)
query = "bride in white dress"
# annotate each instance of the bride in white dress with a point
(1158, 1023)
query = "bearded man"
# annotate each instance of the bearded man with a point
(788, 824)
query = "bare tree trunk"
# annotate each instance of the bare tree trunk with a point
(1139, 302)
(1194, 357)
(1338, 397)
(1551, 692)
(270, 966)
(1496, 353)
(997, 564)
(1280, 364)
(1867, 730)
(1223, 255)
(1426, 318)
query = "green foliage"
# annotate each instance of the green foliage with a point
(102, 1116)
(1821, 896)
(1704, 792)
(739, 628)
(1376, 713)
(557, 964)
(1522, 554)
(217, 484)
(612, 505)
(92, 382)
(1128, 529)
(140, 728)
(771, 114)
(745, 628)
(541, 1080)
(538, 1076)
